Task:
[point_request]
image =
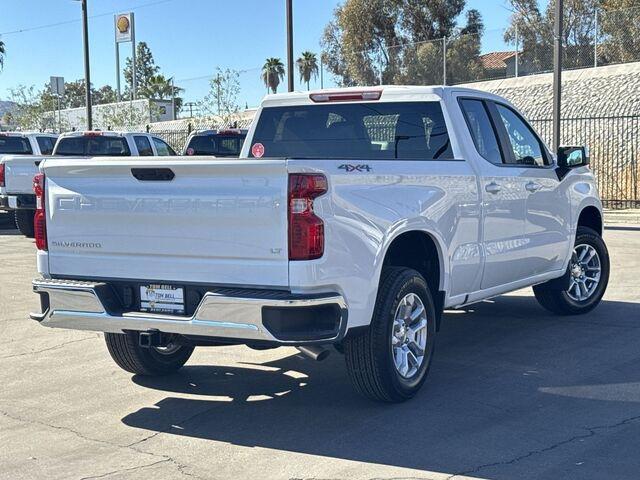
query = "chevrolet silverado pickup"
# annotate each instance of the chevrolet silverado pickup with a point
(20, 154)
(17, 171)
(351, 220)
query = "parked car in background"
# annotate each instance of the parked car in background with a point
(352, 219)
(20, 154)
(19, 170)
(98, 143)
(216, 143)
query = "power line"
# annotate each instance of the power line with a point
(77, 20)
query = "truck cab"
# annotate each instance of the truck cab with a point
(225, 143)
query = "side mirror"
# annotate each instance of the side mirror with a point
(572, 157)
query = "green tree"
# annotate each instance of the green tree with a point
(3, 52)
(105, 94)
(307, 67)
(535, 33)
(389, 41)
(619, 31)
(32, 109)
(146, 69)
(222, 98)
(272, 73)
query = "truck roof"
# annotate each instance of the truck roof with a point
(28, 134)
(396, 93)
(108, 133)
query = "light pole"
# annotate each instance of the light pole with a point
(290, 44)
(87, 72)
(557, 74)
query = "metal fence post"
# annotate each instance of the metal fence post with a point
(595, 40)
(444, 60)
(517, 48)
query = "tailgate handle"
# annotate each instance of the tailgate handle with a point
(153, 174)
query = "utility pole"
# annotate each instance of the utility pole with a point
(87, 73)
(557, 74)
(290, 43)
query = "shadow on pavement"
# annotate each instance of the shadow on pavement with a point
(509, 382)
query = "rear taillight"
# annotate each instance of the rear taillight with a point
(1, 174)
(306, 229)
(40, 218)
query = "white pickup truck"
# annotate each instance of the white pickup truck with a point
(352, 219)
(20, 154)
(17, 171)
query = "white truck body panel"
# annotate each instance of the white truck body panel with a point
(222, 222)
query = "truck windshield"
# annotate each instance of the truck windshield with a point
(92, 146)
(14, 145)
(372, 131)
(216, 145)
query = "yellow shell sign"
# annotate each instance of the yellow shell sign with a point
(123, 24)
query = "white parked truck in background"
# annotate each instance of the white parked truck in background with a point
(20, 154)
(352, 219)
(17, 171)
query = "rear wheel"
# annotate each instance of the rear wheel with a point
(583, 285)
(24, 222)
(126, 351)
(390, 360)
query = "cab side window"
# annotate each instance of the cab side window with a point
(482, 130)
(143, 146)
(524, 143)
(164, 150)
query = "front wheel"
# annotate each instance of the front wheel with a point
(126, 351)
(24, 222)
(583, 285)
(390, 360)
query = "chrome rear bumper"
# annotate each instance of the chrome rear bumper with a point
(80, 305)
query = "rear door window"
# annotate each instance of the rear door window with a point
(482, 130)
(144, 146)
(15, 145)
(46, 145)
(93, 146)
(372, 131)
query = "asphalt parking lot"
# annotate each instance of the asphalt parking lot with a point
(513, 393)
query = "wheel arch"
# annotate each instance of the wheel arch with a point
(400, 251)
(591, 216)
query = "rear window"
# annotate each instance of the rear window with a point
(93, 146)
(46, 145)
(216, 145)
(372, 131)
(15, 145)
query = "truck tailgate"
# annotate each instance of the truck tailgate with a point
(214, 222)
(19, 171)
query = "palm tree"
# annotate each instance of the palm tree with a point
(273, 73)
(2, 54)
(158, 87)
(308, 67)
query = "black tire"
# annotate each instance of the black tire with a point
(130, 356)
(369, 354)
(554, 295)
(24, 222)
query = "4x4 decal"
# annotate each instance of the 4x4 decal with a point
(363, 167)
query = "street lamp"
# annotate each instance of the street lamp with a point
(557, 74)
(290, 44)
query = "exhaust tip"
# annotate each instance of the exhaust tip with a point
(315, 353)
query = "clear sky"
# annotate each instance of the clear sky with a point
(188, 38)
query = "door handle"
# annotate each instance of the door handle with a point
(493, 187)
(532, 187)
